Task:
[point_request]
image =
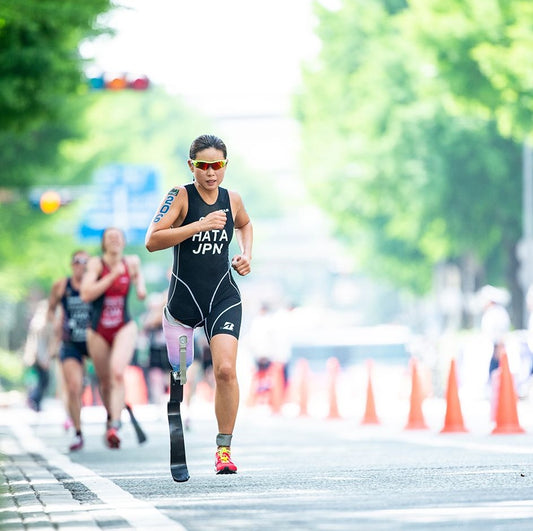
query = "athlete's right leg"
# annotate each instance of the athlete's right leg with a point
(73, 378)
(121, 355)
(99, 351)
(224, 353)
(72, 371)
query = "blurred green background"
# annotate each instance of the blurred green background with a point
(413, 125)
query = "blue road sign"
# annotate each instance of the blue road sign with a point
(124, 196)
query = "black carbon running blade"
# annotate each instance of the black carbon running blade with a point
(178, 463)
(141, 436)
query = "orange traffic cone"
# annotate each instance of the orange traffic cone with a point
(453, 421)
(506, 411)
(416, 417)
(333, 368)
(370, 416)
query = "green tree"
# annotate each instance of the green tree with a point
(40, 57)
(408, 184)
(481, 50)
(41, 107)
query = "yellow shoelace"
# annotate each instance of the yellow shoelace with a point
(224, 454)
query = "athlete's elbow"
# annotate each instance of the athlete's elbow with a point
(155, 244)
(150, 244)
(151, 247)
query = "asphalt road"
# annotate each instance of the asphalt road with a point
(297, 473)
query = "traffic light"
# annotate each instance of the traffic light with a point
(49, 201)
(97, 83)
(118, 82)
(140, 83)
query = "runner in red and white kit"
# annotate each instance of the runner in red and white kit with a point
(112, 336)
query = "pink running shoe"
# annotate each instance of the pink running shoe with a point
(223, 463)
(77, 443)
(112, 438)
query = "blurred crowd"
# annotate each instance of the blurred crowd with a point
(267, 349)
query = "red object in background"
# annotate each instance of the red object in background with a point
(140, 83)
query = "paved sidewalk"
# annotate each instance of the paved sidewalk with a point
(34, 494)
(43, 489)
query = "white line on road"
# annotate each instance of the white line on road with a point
(507, 510)
(138, 513)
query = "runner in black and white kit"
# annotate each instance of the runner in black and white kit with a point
(74, 322)
(202, 290)
(198, 220)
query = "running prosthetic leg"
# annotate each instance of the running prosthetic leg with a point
(180, 346)
(179, 340)
(178, 462)
(141, 436)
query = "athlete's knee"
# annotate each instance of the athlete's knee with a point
(105, 385)
(225, 372)
(74, 389)
(117, 375)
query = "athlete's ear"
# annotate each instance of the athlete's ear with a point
(191, 167)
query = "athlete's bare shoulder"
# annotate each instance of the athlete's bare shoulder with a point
(173, 203)
(57, 292)
(60, 286)
(235, 198)
(178, 190)
(133, 260)
(236, 201)
(94, 265)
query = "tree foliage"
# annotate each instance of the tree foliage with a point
(41, 107)
(40, 63)
(481, 49)
(409, 183)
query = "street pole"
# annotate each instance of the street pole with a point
(527, 195)
(527, 218)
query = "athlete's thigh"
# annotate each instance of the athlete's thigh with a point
(124, 346)
(223, 351)
(225, 318)
(99, 351)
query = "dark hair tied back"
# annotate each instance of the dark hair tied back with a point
(206, 142)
